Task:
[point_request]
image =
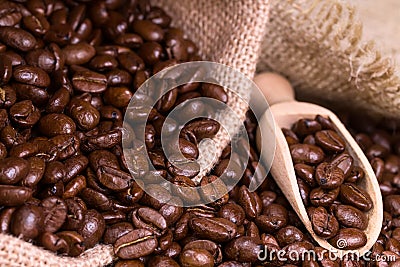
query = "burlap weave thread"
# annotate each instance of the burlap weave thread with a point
(315, 43)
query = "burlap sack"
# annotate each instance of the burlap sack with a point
(315, 43)
(228, 32)
(318, 46)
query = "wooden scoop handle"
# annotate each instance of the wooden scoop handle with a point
(275, 87)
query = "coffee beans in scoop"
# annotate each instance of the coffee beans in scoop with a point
(328, 180)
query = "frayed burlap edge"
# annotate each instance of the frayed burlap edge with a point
(317, 45)
(15, 252)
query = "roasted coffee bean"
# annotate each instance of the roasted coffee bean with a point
(186, 189)
(248, 200)
(208, 245)
(118, 77)
(84, 114)
(58, 101)
(24, 114)
(75, 165)
(89, 81)
(74, 241)
(232, 212)
(55, 124)
(151, 52)
(14, 195)
(31, 75)
(8, 96)
(95, 199)
(304, 127)
(115, 231)
(148, 30)
(297, 248)
(330, 141)
(349, 238)
(54, 172)
(37, 95)
(305, 172)
(308, 154)
(17, 38)
(53, 242)
(213, 190)
(214, 91)
(392, 204)
(13, 170)
(323, 223)
(355, 196)
(135, 244)
(54, 213)
(162, 261)
(131, 62)
(329, 176)
(150, 219)
(243, 249)
(5, 220)
(289, 235)
(178, 166)
(27, 222)
(215, 229)
(92, 228)
(199, 129)
(5, 70)
(273, 218)
(76, 185)
(196, 257)
(118, 97)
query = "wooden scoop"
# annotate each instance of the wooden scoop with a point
(286, 111)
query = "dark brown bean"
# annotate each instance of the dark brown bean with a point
(354, 238)
(17, 38)
(355, 196)
(27, 222)
(135, 244)
(328, 176)
(308, 154)
(215, 229)
(330, 141)
(323, 223)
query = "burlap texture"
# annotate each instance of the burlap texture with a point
(228, 32)
(318, 46)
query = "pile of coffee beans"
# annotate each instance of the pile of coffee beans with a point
(327, 177)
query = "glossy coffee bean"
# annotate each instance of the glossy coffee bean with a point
(243, 249)
(17, 38)
(324, 224)
(215, 229)
(273, 218)
(304, 127)
(308, 154)
(149, 219)
(148, 30)
(135, 244)
(27, 222)
(92, 228)
(354, 238)
(323, 197)
(355, 196)
(328, 176)
(13, 170)
(330, 141)
(55, 124)
(89, 81)
(74, 241)
(196, 257)
(11, 195)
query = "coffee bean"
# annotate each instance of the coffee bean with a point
(117, 96)
(214, 91)
(13, 170)
(76, 185)
(289, 235)
(149, 219)
(273, 218)
(305, 172)
(323, 223)
(330, 141)
(305, 127)
(17, 38)
(248, 200)
(84, 114)
(328, 176)
(53, 243)
(323, 197)
(243, 249)
(27, 222)
(89, 81)
(55, 124)
(14, 195)
(232, 212)
(392, 204)
(196, 257)
(355, 196)
(92, 228)
(345, 162)
(308, 154)
(5, 220)
(148, 30)
(215, 229)
(135, 244)
(353, 238)
(74, 241)
(115, 231)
